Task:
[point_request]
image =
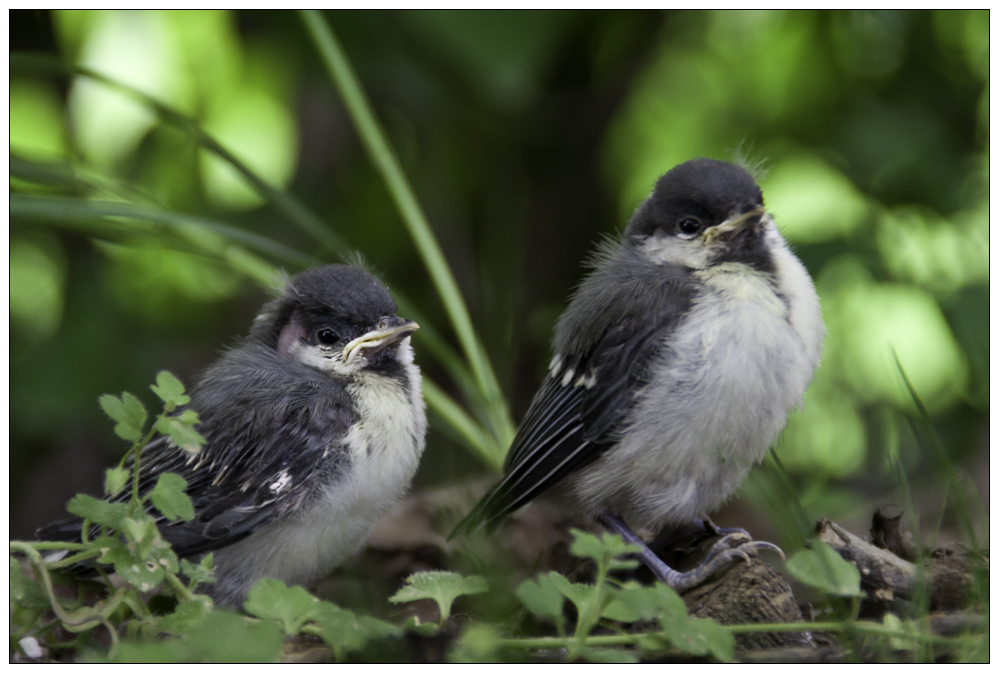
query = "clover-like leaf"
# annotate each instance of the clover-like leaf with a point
(199, 573)
(697, 636)
(97, 511)
(823, 568)
(170, 390)
(292, 607)
(543, 597)
(444, 587)
(180, 433)
(127, 412)
(604, 550)
(115, 480)
(169, 498)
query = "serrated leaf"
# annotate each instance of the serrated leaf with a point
(170, 390)
(580, 594)
(184, 618)
(199, 573)
(227, 637)
(169, 498)
(97, 511)
(636, 602)
(823, 568)
(142, 574)
(115, 480)
(542, 597)
(182, 435)
(141, 535)
(292, 607)
(604, 550)
(444, 587)
(127, 412)
(343, 631)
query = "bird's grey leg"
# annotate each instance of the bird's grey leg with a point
(720, 556)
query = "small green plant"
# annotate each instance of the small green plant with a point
(121, 534)
(444, 587)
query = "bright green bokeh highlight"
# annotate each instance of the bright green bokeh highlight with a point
(259, 131)
(758, 67)
(136, 48)
(919, 246)
(811, 201)
(36, 121)
(37, 279)
(868, 322)
(827, 437)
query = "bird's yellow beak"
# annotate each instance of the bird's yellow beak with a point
(389, 331)
(733, 226)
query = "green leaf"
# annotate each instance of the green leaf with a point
(201, 572)
(479, 643)
(822, 568)
(604, 550)
(543, 597)
(635, 602)
(292, 606)
(343, 631)
(97, 511)
(115, 480)
(170, 390)
(699, 636)
(892, 622)
(180, 432)
(141, 534)
(579, 593)
(169, 498)
(23, 590)
(441, 586)
(183, 620)
(227, 637)
(128, 412)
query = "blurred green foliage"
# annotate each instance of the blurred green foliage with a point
(527, 136)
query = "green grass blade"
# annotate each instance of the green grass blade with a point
(413, 217)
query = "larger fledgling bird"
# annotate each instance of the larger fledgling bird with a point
(676, 365)
(315, 426)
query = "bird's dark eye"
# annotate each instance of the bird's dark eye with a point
(689, 226)
(326, 336)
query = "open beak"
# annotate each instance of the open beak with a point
(390, 330)
(733, 226)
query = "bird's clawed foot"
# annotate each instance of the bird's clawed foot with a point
(726, 551)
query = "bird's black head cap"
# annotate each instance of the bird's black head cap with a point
(706, 189)
(347, 298)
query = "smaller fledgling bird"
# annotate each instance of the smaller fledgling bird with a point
(315, 426)
(676, 365)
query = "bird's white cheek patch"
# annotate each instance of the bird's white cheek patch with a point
(669, 250)
(327, 361)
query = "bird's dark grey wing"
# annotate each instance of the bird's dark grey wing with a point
(270, 431)
(271, 443)
(609, 336)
